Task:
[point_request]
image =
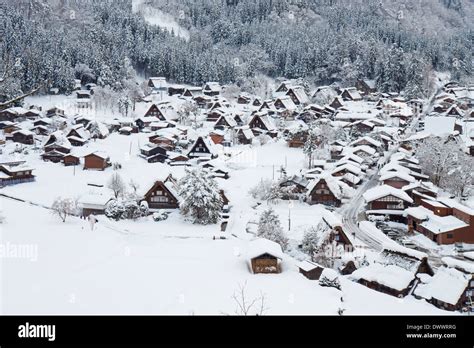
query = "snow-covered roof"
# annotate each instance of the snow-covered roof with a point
(333, 219)
(338, 188)
(392, 276)
(300, 94)
(287, 102)
(463, 266)
(367, 139)
(446, 285)
(349, 167)
(439, 125)
(16, 110)
(455, 204)
(401, 175)
(364, 148)
(395, 247)
(307, 265)
(25, 132)
(94, 200)
(261, 246)
(386, 190)
(435, 223)
(101, 154)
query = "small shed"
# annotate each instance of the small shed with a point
(310, 269)
(265, 256)
(96, 160)
(71, 160)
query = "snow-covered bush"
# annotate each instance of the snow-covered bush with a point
(125, 209)
(266, 190)
(263, 139)
(200, 197)
(314, 239)
(160, 215)
(63, 207)
(269, 227)
(330, 278)
(114, 209)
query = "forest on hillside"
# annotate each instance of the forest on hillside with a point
(400, 44)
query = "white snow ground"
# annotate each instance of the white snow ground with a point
(159, 268)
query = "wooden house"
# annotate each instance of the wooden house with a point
(225, 121)
(244, 135)
(176, 90)
(166, 141)
(350, 94)
(96, 161)
(157, 84)
(15, 173)
(71, 160)
(394, 272)
(244, 99)
(257, 102)
(397, 180)
(23, 136)
(154, 111)
(212, 89)
(337, 103)
(264, 256)
(78, 136)
(202, 148)
(55, 112)
(217, 136)
(386, 197)
(298, 95)
(285, 103)
(162, 194)
(366, 87)
(348, 268)
(310, 270)
(293, 187)
(324, 191)
(153, 153)
(214, 115)
(451, 288)
(285, 86)
(93, 204)
(192, 92)
(262, 124)
(177, 159)
(443, 221)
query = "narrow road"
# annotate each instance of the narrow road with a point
(352, 211)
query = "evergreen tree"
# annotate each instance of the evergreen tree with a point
(200, 197)
(269, 227)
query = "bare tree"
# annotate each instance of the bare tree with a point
(245, 306)
(134, 186)
(116, 184)
(437, 157)
(186, 111)
(63, 207)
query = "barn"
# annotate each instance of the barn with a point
(161, 194)
(310, 270)
(96, 161)
(265, 256)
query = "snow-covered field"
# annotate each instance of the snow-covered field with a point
(156, 268)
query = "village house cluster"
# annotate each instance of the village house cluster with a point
(346, 132)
